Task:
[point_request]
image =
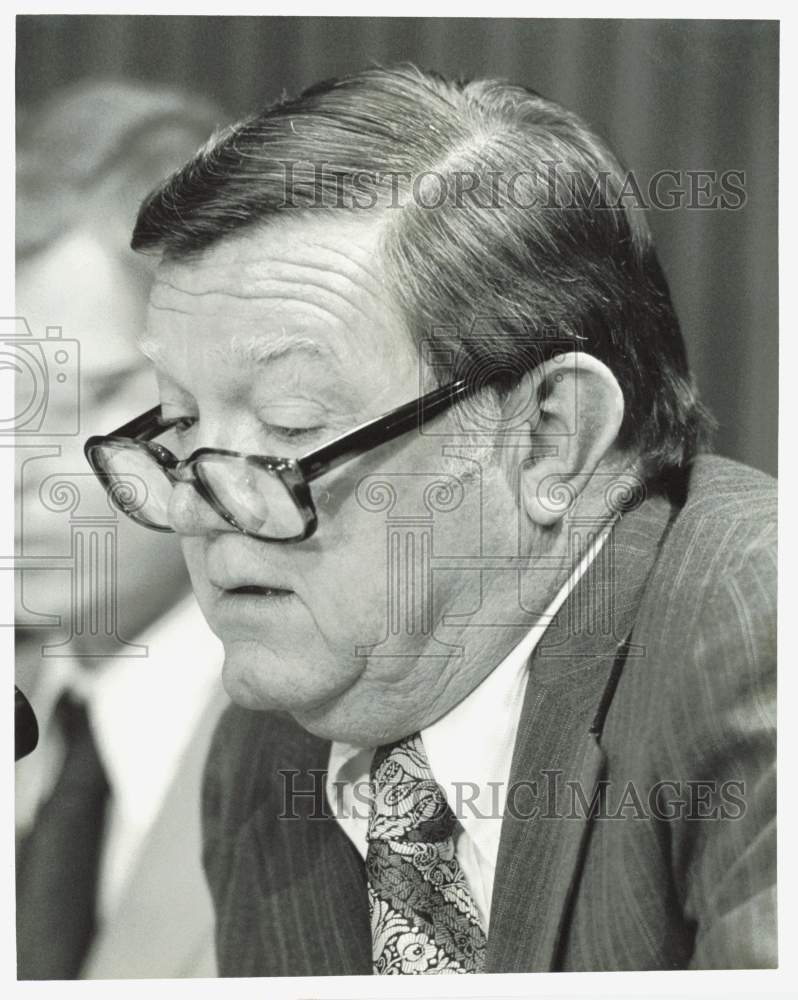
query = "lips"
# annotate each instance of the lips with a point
(241, 602)
(232, 570)
(239, 586)
(254, 590)
(247, 591)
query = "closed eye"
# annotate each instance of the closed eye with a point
(181, 424)
(183, 428)
(293, 433)
(177, 427)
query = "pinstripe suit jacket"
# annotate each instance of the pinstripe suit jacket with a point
(654, 688)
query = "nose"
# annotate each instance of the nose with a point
(191, 514)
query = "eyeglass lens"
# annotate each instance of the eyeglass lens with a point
(255, 497)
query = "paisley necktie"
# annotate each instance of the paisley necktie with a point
(423, 917)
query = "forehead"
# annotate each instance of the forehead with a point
(311, 287)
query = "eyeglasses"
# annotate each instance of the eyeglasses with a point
(262, 496)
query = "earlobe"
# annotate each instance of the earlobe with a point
(580, 413)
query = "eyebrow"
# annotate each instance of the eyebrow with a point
(251, 349)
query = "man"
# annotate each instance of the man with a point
(114, 648)
(503, 660)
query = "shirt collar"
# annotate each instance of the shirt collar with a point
(141, 711)
(470, 748)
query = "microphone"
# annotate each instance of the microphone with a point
(26, 728)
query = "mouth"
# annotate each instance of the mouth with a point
(252, 590)
(244, 609)
(250, 597)
(238, 584)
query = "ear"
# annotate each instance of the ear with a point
(578, 416)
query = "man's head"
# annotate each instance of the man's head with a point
(333, 257)
(85, 158)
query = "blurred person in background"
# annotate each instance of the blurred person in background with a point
(109, 880)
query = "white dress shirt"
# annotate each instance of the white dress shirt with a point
(143, 712)
(469, 750)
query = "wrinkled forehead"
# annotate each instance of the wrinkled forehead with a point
(314, 287)
(311, 271)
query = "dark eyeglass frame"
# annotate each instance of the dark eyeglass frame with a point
(296, 474)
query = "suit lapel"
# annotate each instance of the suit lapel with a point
(309, 890)
(337, 900)
(573, 672)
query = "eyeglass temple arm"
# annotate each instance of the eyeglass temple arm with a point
(142, 428)
(382, 430)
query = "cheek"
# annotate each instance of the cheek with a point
(382, 535)
(344, 579)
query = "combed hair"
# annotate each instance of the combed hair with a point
(532, 251)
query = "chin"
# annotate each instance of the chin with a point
(327, 726)
(259, 679)
(354, 720)
(243, 693)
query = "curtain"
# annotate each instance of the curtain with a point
(668, 95)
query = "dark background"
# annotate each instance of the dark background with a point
(676, 95)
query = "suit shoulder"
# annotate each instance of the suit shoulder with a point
(724, 487)
(728, 521)
(701, 680)
(712, 594)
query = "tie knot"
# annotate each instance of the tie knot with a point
(406, 801)
(82, 762)
(72, 716)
